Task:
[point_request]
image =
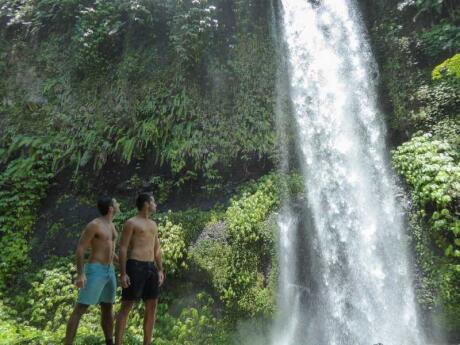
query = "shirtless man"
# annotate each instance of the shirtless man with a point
(96, 281)
(141, 270)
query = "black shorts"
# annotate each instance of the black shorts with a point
(145, 281)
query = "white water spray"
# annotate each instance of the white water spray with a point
(345, 276)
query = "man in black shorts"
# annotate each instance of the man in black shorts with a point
(141, 270)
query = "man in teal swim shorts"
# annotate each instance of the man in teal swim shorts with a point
(96, 279)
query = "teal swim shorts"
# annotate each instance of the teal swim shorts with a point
(100, 285)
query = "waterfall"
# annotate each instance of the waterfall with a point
(344, 267)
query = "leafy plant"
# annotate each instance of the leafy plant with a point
(97, 35)
(431, 167)
(251, 239)
(437, 287)
(440, 39)
(23, 184)
(432, 103)
(173, 247)
(192, 32)
(197, 325)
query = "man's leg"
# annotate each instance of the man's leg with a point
(73, 322)
(149, 319)
(107, 322)
(122, 318)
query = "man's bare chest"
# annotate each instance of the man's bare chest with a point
(144, 233)
(104, 235)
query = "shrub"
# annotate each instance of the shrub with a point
(251, 240)
(441, 39)
(50, 311)
(213, 258)
(245, 213)
(173, 247)
(431, 167)
(435, 102)
(197, 325)
(192, 221)
(97, 35)
(191, 34)
(437, 288)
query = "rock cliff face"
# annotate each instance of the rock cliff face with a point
(118, 97)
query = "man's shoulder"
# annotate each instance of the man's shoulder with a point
(94, 224)
(131, 221)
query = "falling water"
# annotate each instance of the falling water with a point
(345, 276)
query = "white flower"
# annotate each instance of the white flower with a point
(88, 32)
(405, 4)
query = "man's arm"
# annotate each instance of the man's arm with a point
(158, 261)
(126, 235)
(115, 256)
(83, 244)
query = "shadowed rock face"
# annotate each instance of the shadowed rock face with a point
(215, 232)
(67, 209)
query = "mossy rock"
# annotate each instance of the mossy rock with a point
(450, 67)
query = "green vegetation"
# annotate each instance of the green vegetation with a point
(243, 291)
(251, 246)
(89, 88)
(430, 163)
(128, 91)
(440, 39)
(178, 97)
(47, 312)
(417, 47)
(432, 169)
(450, 67)
(23, 184)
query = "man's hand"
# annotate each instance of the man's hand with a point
(125, 281)
(162, 277)
(81, 281)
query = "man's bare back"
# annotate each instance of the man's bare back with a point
(143, 239)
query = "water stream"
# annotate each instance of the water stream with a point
(344, 267)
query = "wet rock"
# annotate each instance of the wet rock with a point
(214, 232)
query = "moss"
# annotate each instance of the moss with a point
(438, 279)
(448, 68)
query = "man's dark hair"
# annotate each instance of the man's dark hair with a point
(142, 198)
(103, 204)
